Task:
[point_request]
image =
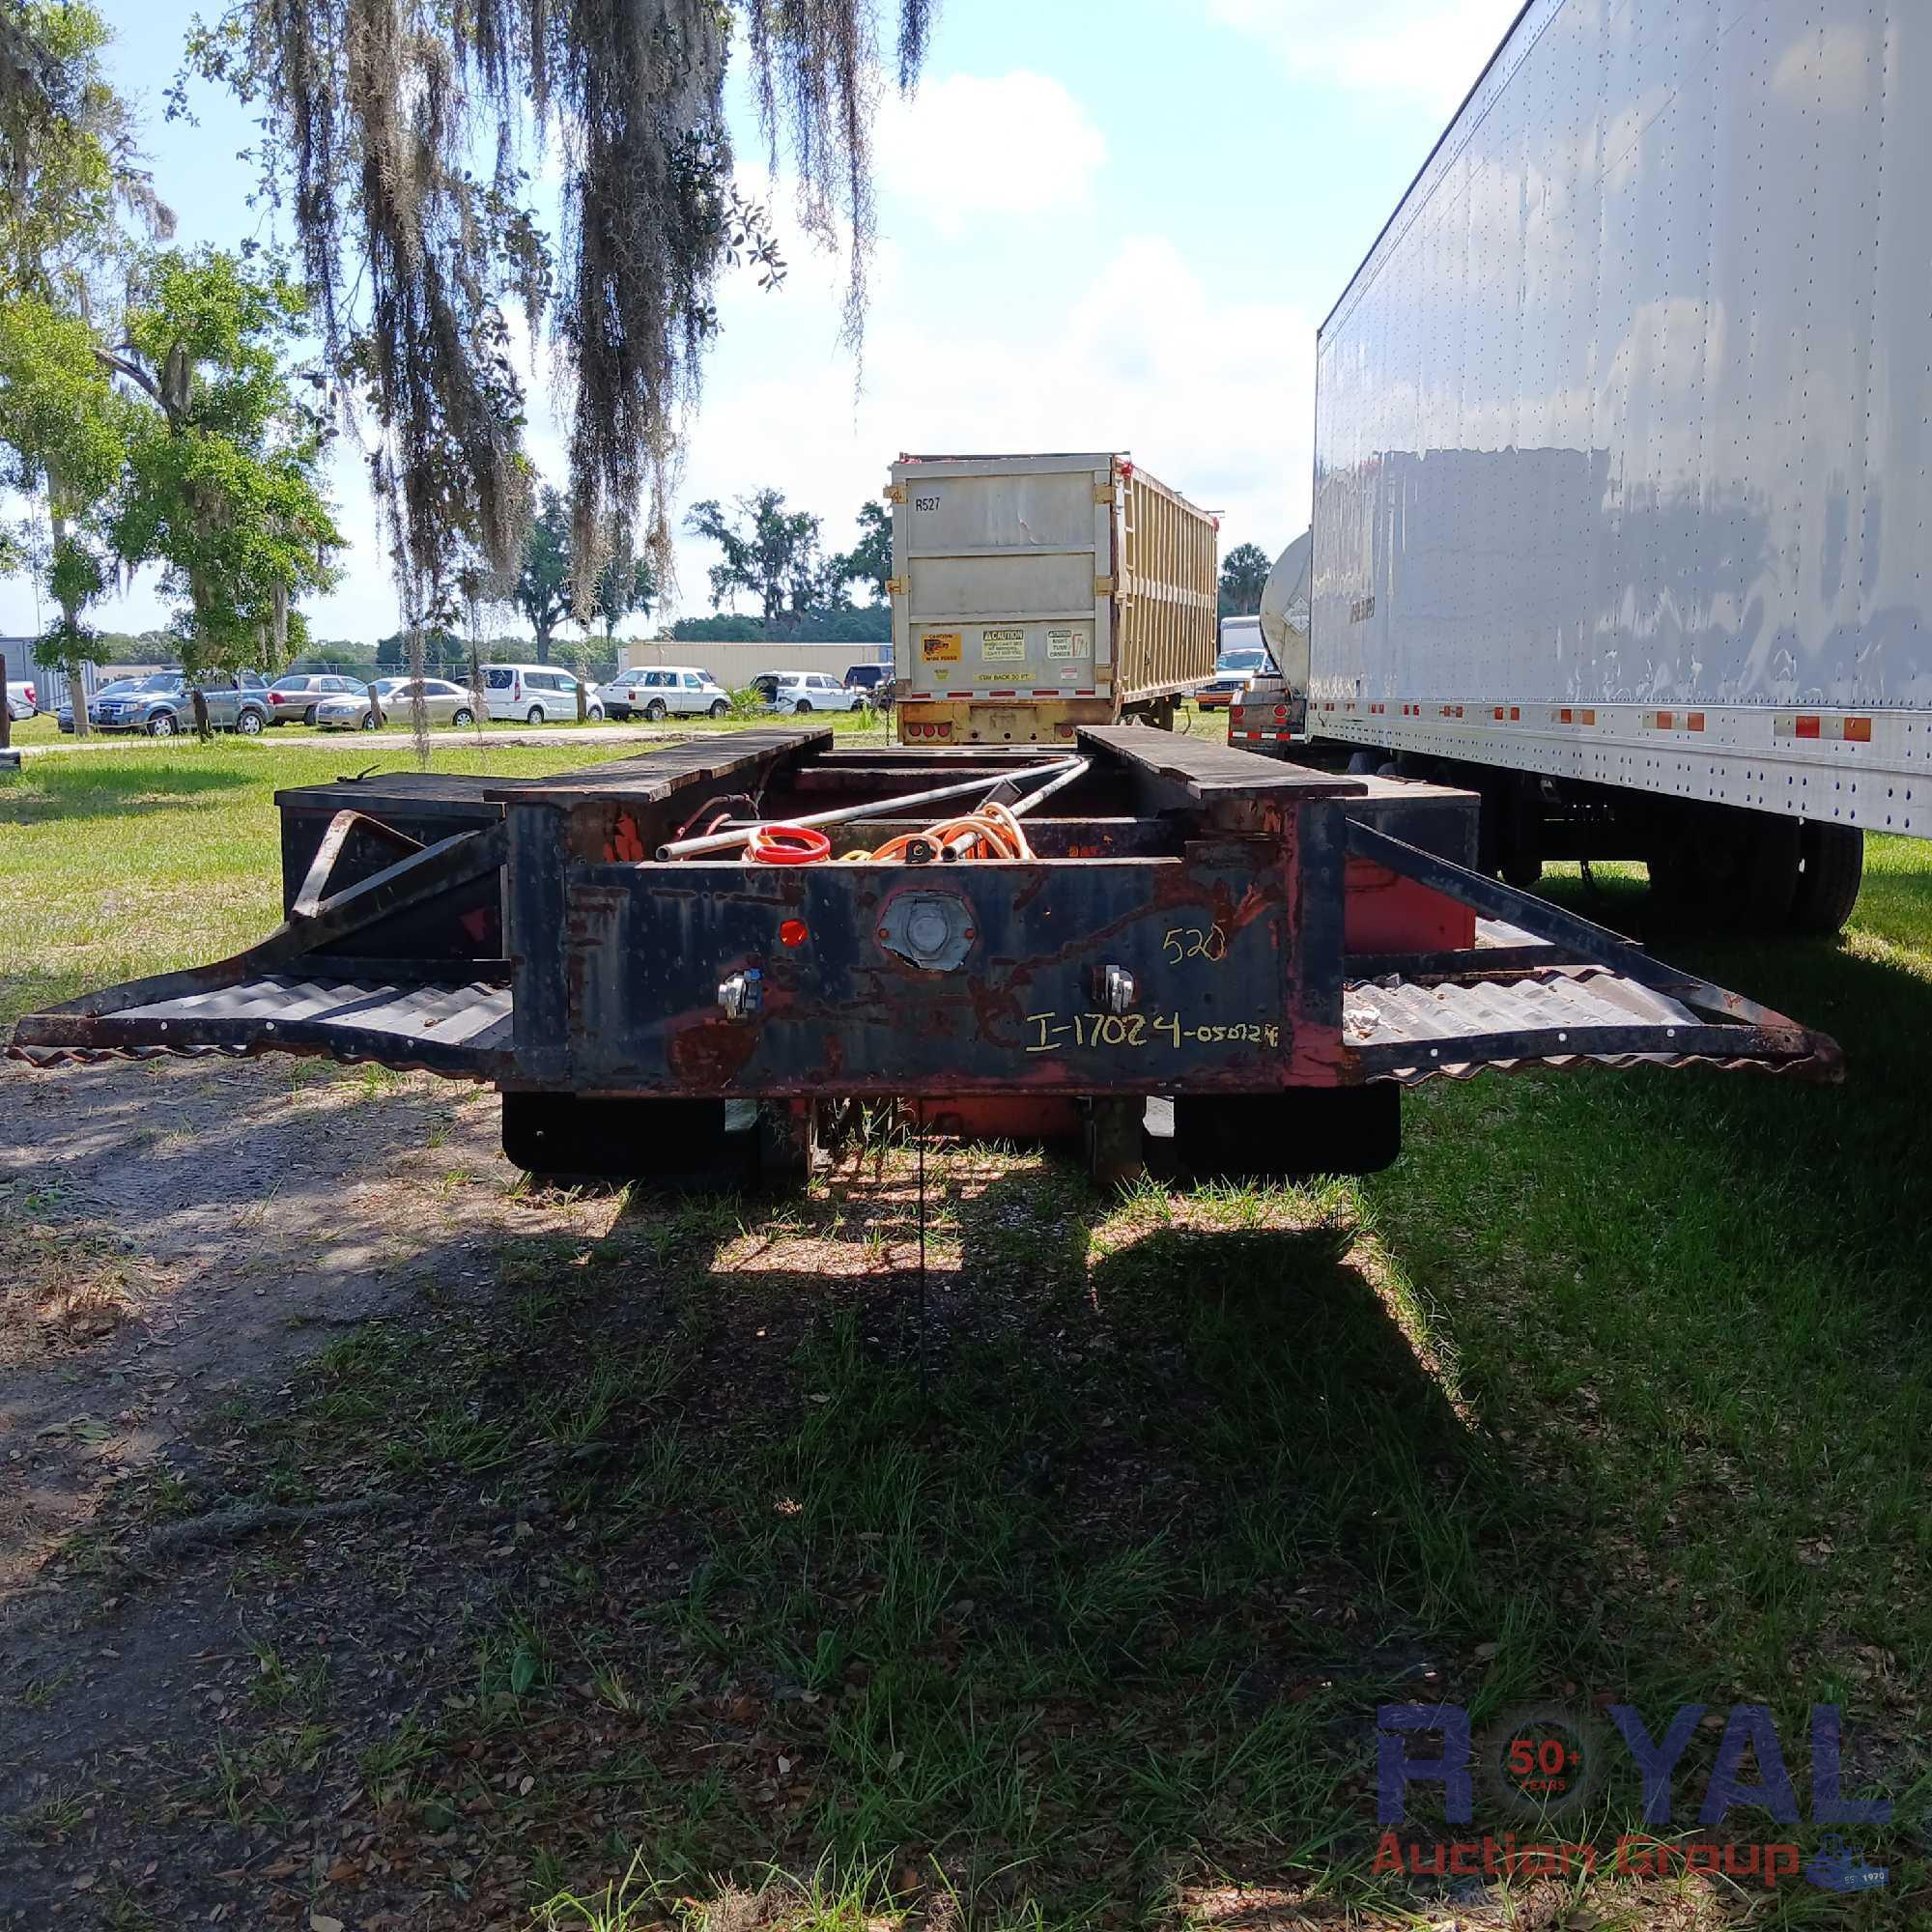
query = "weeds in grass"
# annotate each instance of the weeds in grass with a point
(388, 1768)
(55, 1816)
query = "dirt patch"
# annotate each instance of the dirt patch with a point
(174, 1234)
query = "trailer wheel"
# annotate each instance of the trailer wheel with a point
(1288, 1136)
(1113, 1142)
(791, 1143)
(1721, 868)
(1832, 868)
(566, 1137)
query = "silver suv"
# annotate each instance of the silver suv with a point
(162, 705)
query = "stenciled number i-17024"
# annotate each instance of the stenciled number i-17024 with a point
(1057, 1032)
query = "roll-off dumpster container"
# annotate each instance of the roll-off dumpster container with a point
(1035, 595)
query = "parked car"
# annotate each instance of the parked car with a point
(22, 702)
(803, 691)
(64, 717)
(875, 680)
(1234, 671)
(296, 697)
(533, 694)
(162, 704)
(447, 703)
(657, 691)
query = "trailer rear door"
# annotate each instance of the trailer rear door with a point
(1005, 569)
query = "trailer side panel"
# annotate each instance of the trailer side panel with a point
(1623, 426)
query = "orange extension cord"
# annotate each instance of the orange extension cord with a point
(990, 833)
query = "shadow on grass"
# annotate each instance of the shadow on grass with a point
(70, 790)
(1075, 1581)
(1078, 1578)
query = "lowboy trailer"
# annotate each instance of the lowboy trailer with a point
(1159, 937)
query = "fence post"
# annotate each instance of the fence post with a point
(5, 708)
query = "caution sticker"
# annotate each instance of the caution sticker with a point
(1003, 646)
(1067, 643)
(939, 647)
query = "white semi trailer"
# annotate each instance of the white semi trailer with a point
(1623, 480)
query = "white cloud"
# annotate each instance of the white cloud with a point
(1429, 51)
(1010, 145)
(1213, 393)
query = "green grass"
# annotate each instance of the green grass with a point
(151, 856)
(1618, 1385)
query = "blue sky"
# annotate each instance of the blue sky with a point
(1102, 224)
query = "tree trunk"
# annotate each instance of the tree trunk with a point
(201, 725)
(376, 705)
(76, 684)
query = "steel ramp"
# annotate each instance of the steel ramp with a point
(306, 989)
(1545, 987)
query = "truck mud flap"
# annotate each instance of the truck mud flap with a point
(327, 981)
(1544, 987)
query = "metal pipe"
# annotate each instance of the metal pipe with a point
(886, 807)
(1077, 769)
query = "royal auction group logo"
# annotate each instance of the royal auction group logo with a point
(1543, 1763)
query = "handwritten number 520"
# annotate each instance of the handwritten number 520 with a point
(1190, 942)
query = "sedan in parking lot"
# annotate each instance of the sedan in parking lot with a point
(447, 704)
(294, 699)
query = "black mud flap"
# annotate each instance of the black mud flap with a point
(1543, 987)
(330, 979)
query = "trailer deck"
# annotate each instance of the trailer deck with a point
(1182, 921)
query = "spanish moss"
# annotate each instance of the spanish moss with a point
(397, 137)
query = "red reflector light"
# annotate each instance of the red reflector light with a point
(1280, 712)
(792, 932)
(945, 731)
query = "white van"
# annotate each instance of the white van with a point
(533, 694)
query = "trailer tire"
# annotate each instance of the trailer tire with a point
(567, 1137)
(1723, 870)
(791, 1143)
(1832, 868)
(1288, 1136)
